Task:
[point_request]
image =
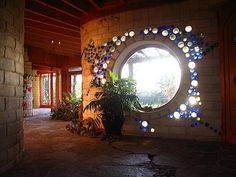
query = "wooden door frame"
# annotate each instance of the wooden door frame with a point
(50, 105)
(49, 88)
(226, 15)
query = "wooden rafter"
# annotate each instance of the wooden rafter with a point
(50, 24)
(95, 4)
(52, 29)
(39, 9)
(50, 33)
(77, 7)
(63, 44)
(29, 15)
(56, 7)
(56, 50)
(44, 37)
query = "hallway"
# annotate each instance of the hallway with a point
(52, 151)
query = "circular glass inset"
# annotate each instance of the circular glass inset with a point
(123, 38)
(188, 28)
(176, 30)
(172, 37)
(164, 33)
(145, 31)
(131, 33)
(157, 73)
(154, 30)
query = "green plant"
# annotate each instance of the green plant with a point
(116, 96)
(68, 108)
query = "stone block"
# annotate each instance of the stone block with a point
(11, 30)
(19, 91)
(21, 81)
(7, 16)
(3, 131)
(11, 116)
(12, 152)
(11, 54)
(163, 130)
(19, 47)
(21, 58)
(2, 50)
(1, 76)
(20, 102)
(11, 78)
(6, 64)
(20, 135)
(3, 158)
(2, 104)
(19, 68)
(177, 130)
(12, 103)
(3, 116)
(8, 141)
(200, 131)
(10, 41)
(13, 128)
(7, 90)
(19, 114)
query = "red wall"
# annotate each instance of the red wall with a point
(45, 61)
(41, 57)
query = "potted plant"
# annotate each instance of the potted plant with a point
(68, 108)
(116, 97)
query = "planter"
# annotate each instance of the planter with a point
(113, 125)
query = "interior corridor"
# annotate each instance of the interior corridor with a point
(52, 151)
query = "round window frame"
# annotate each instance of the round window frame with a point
(126, 51)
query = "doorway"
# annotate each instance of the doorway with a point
(49, 89)
(229, 88)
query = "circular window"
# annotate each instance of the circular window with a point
(157, 74)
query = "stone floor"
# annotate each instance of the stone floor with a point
(52, 151)
(41, 111)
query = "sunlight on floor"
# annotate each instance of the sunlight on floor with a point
(41, 111)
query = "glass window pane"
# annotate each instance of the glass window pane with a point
(76, 85)
(45, 89)
(157, 74)
(54, 82)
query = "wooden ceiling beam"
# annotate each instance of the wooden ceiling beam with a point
(56, 6)
(50, 33)
(56, 37)
(45, 20)
(52, 29)
(75, 6)
(39, 9)
(50, 24)
(50, 38)
(95, 4)
(56, 50)
(62, 44)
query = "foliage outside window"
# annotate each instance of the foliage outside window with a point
(157, 74)
(45, 81)
(76, 85)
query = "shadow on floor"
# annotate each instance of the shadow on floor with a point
(52, 151)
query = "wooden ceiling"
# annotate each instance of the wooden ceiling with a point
(54, 25)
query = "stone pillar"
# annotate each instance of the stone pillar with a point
(27, 87)
(11, 82)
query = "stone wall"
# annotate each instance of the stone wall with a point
(27, 87)
(11, 81)
(203, 18)
(36, 91)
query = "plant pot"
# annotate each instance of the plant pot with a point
(113, 125)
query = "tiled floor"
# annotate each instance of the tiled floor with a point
(52, 151)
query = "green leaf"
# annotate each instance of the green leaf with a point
(114, 77)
